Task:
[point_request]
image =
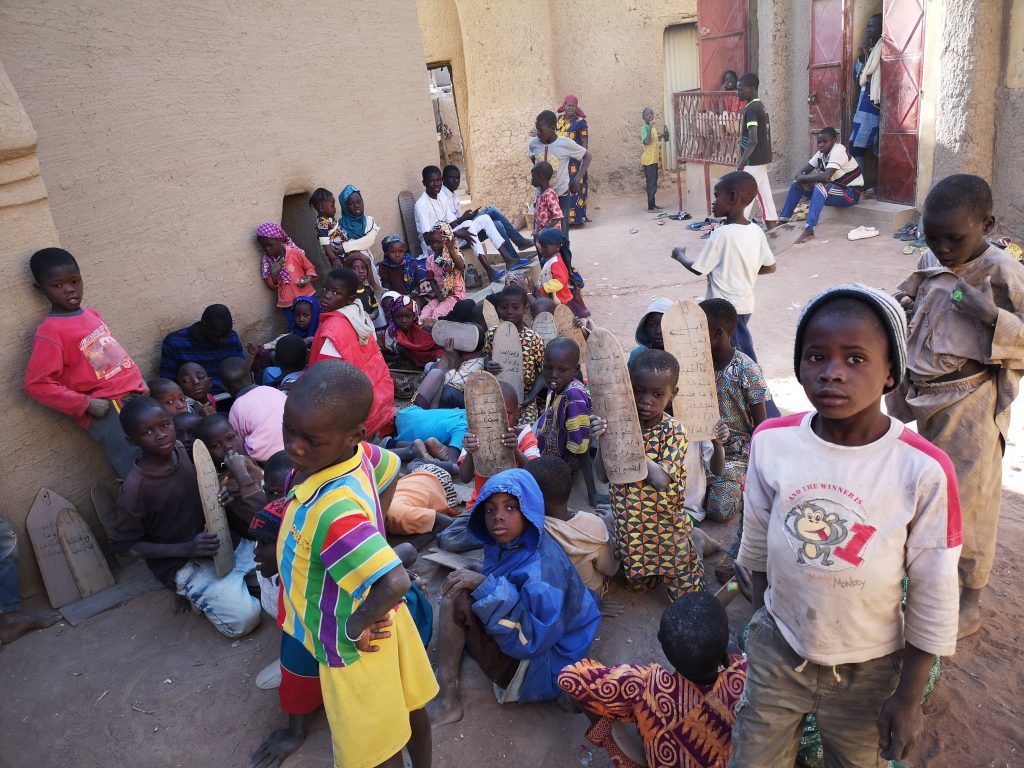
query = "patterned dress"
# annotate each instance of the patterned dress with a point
(533, 365)
(563, 428)
(652, 530)
(741, 385)
(577, 131)
(682, 724)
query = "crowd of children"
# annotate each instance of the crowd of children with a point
(863, 560)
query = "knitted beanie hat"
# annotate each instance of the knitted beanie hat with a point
(885, 307)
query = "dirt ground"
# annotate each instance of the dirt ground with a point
(140, 685)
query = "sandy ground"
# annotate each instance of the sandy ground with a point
(140, 685)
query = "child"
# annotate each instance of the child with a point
(400, 271)
(558, 277)
(327, 230)
(684, 717)
(441, 430)
(208, 342)
(195, 383)
(405, 338)
(569, 160)
(77, 367)
(169, 395)
(290, 356)
(547, 213)
(305, 317)
(346, 333)
(444, 386)
(360, 230)
(840, 504)
(651, 155)
(184, 427)
(512, 302)
(963, 362)
(583, 535)
(256, 410)
(526, 615)
(224, 442)
(652, 533)
(445, 268)
(742, 403)
(563, 428)
(735, 254)
(648, 330)
(284, 267)
(341, 584)
(160, 519)
(423, 501)
(360, 263)
(704, 458)
(756, 148)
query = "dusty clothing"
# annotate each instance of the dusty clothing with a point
(419, 496)
(585, 539)
(967, 418)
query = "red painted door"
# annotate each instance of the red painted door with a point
(827, 69)
(721, 40)
(902, 61)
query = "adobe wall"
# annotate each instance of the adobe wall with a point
(163, 142)
(1009, 146)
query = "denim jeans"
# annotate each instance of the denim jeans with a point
(10, 597)
(226, 602)
(744, 342)
(565, 203)
(106, 430)
(820, 195)
(505, 227)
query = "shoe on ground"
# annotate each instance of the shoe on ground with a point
(269, 677)
(860, 233)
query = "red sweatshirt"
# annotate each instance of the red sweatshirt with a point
(74, 359)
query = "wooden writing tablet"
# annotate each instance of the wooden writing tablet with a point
(684, 328)
(216, 517)
(485, 413)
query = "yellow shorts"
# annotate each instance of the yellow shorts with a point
(368, 703)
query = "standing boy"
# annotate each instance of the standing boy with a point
(651, 155)
(77, 367)
(756, 147)
(549, 147)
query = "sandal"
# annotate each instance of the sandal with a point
(909, 250)
(903, 230)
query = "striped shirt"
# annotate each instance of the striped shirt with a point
(564, 424)
(332, 550)
(187, 346)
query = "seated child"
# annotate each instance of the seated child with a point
(400, 271)
(842, 504)
(527, 605)
(445, 268)
(169, 395)
(703, 458)
(184, 427)
(547, 212)
(648, 330)
(327, 231)
(684, 717)
(444, 386)
(359, 263)
(558, 277)
(222, 441)
(290, 356)
(742, 396)
(511, 306)
(77, 367)
(284, 267)
(195, 382)
(160, 519)
(256, 411)
(440, 430)
(563, 428)
(422, 502)
(583, 535)
(652, 533)
(404, 336)
(305, 318)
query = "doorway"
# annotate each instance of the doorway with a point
(682, 73)
(299, 221)
(450, 146)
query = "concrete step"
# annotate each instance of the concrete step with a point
(886, 217)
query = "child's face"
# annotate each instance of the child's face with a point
(266, 558)
(314, 442)
(745, 91)
(535, 179)
(452, 179)
(560, 367)
(395, 253)
(303, 314)
(359, 267)
(354, 204)
(173, 400)
(194, 382)
(273, 485)
(545, 132)
(63, 287)
(648, 115)
(184, 428)
(548, 250)
(222, 439)
(511, 310)
(720, 338)
(335, 296)
(956, 237)
(153, 433)
(327, 207)
(652, 327)
(653, 390)
(504, 520)
(724, 202)
(844, 366)
(432, 184)
(404, 319)
(272, 247)
(434, 239)
(513, 412)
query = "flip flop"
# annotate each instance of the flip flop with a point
(1002, 242)
(521, 264)
(909, 250)
(499, 274)
(633, 230)
(860, 233)
(902, 230)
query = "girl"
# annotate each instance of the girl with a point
(400, 271)
(359, 229)
(330, 236)
(285, 267)
(305, 317)
(559, 279)
(445, 268)
(965, 304)
(511, 306)
(360, 263)
(405, 338)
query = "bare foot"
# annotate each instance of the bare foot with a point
(421, 449)
(807, 236)
(14, 625)
(445, 709)
(278, 745)
(436, 449)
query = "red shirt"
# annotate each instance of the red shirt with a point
(75, 359)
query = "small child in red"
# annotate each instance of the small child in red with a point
(547, 212)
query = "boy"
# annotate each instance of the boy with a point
(756, 148)
(841, 504)
(195, 383)
(77, 366)
(451, 178)
(511, 305)
(547, 213)
(526, 615)
(169, 395)
(160, 519)
(648, 330)
(651, 155)
(222, 441)
(13, 622)
(256, 410)
(342, 585)
(209, 343)
(423, 501)
(549, 147)
(184, 427)
(735, 254)
(684, 717)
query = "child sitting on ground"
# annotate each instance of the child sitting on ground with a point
(222, 441)
(547, 212)
(648, 330)
(327, 230)
(684, 717)
(284, 267)
(305, 318)
(290, 356)
(511, 306)
(563, 428)
(160, 519)
(195, 382)
(445, 271)
(360, 263)
(438, 431)
(840, 505)
(423, 501)
(169, 395)
(184, 427)
(965, 303)
(652, 533)
(444, 386)
(558, 277)
(256, 410)
(400, 271)
(406, 339)
(77, 367)
(525, 616)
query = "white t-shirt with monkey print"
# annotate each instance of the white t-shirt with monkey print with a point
(836, 528)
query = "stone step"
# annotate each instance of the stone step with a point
(886, 217)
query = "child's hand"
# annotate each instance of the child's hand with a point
(251, 348)
(598, 426)
(721, 431)
(492, 367)
(302, 282)
(679, 254)
(460, 579)
(470, 442)
(906, 302)
(374, 634)
(899, 725)
(235, 464)
(510, 438)
(207, 408)
(98, 407)
(974, 303)
(203, 545)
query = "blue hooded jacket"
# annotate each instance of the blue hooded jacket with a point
(532, 602)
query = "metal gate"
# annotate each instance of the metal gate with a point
(902, 61)
(722, 31)
(827, 71)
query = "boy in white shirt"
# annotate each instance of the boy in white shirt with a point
(839, 505)
(549, 147)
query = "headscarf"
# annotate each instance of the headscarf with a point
(411, 270)
(314, 318)
(353, 255)
(571, 99)
(418, 343)
(445, 266)
(353, 226)
(271, 229)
